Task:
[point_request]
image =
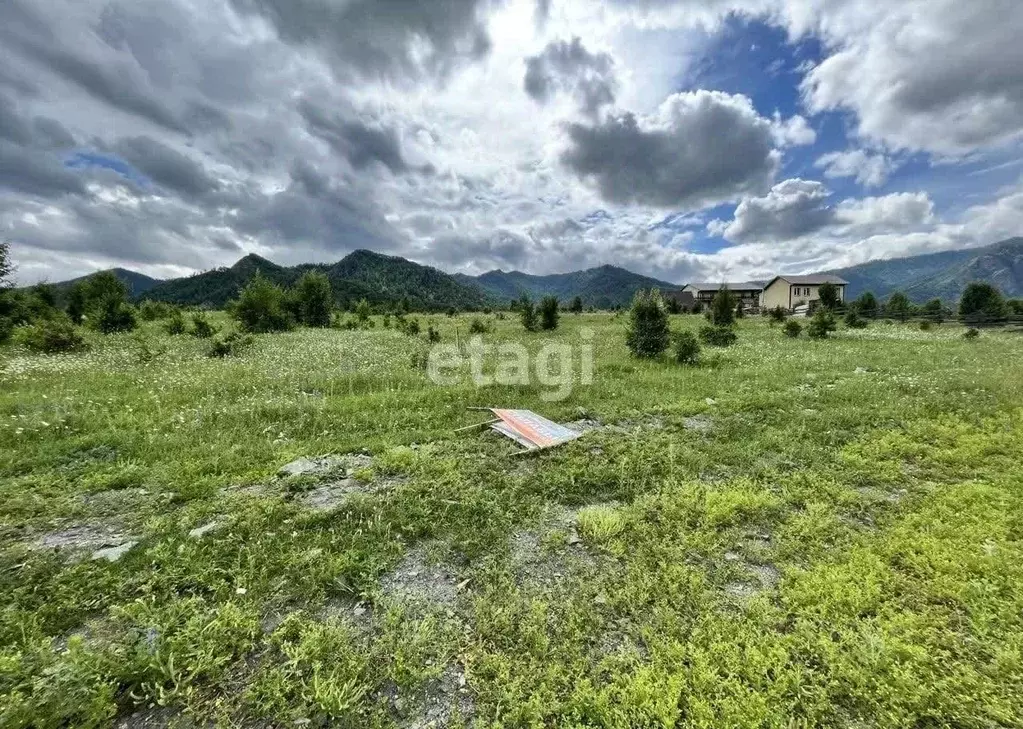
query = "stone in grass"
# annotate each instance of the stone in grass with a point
(113, 554)
(416, 581)
(200, 532)
(437, 704)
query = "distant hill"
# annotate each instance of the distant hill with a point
(366, 275)
(602, 287)
(137, 283)
(940, 275)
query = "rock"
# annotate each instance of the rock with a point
(299, 467)
(359, 611)
(862, 370)
(200, 532)
(113, 554)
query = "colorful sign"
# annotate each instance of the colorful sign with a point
(530, 430)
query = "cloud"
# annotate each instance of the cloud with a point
(165, 166)
(793, 132)
(870, 170)
(700, 148)
(568, 67)
(791, 209)
(797, 208)
(25, 171)
(394, 39)
(361, 144)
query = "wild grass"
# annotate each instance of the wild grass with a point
(841, 547)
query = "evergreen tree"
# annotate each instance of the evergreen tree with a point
(576, 307)
(898, 306)
(528, 314)
(867, 305)
(648, 332)
(982, 303)
(722, 308)
(549, 313)
(315, 299)
(829, 295)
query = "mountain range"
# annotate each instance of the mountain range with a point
(382, 279)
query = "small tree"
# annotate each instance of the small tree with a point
(740, 312)
(718, 336)
(898, 306)
(822, 324)
(648, 325)
(175, 324)
(55, 335)
(528, 314)
(315, 299)
(853, 320)
(576, 307)
(362, 311)
(982, 303)
(673, 306)
(686, 347)
(829, 296)
(6, 265)
(722, 308)
(792, 329)
(107, 304)
(867, 305)
(77, 302)
(934, 310)
(260, 307)
(778, 314)
(549, 313)
(201, 327)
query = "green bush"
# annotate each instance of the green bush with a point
(576, 307)
(549, 313)
(412, 328)
(527, 312)
(432, 334)
(822, 325)
(722, 308)
(925, 326)
(229, 346)
(154, 310)
(260, 307)
(686, 347)
(175, 324)
(56, 335)
(201, 327)
(6, 328)
(718, 336)
(971, 334)
(113, 316)
(853, 320)
(478, 326)
(648, 331)
(778, 314)
(314, 299)
(982, 303)
(793, 329)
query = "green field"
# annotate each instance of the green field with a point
(796, 533)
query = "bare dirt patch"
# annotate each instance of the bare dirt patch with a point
(104, 541)
(544, 556)
(416, 581)
(438, 703)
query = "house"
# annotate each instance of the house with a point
(789, 292)
(686, 301)
(747, 293)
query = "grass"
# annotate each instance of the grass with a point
(840, 547)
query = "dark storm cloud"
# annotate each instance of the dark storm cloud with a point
(568, 67)
(359, 143)
(701, 148)
(36, 173)
(382, 38)
(165, 166)
(502, 249)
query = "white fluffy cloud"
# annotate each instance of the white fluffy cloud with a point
(870, 170)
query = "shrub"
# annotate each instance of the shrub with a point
(6, 327)
(793, 328)
(113, 316)
(576, 307)
(412, 327)
(698, 307)
(722, 308)
(672, 305)
(387, 321)
(144, 351)
(867, 305)
(778, 314)
(971, 334)
(527, 312)
(720, 336)
(740, 312)
(549, 313)
(822, 324)
(362, 311)
(478, 326)
(314, 299)
(229, 346)
(56, 335)
(175, 324)
(260, 308)
(600, 524)
(153, 310)
(925, 326)
(77, 302)
(452, 311)
(686, 347)
(829, 296)
(432, 334)
(201, 327)
(982, 303)
(648, 325)
(898, 306)
(853, 320)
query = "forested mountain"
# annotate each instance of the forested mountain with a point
(137, 283)
(943, 275)
(361, 275)
(602, 287)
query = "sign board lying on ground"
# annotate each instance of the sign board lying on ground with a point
(533, 432)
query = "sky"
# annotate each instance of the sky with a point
(681, 139)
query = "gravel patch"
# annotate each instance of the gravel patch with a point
(415, 581)
(698, 423)
(326, 465)
(436, 704)
(104, 541)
